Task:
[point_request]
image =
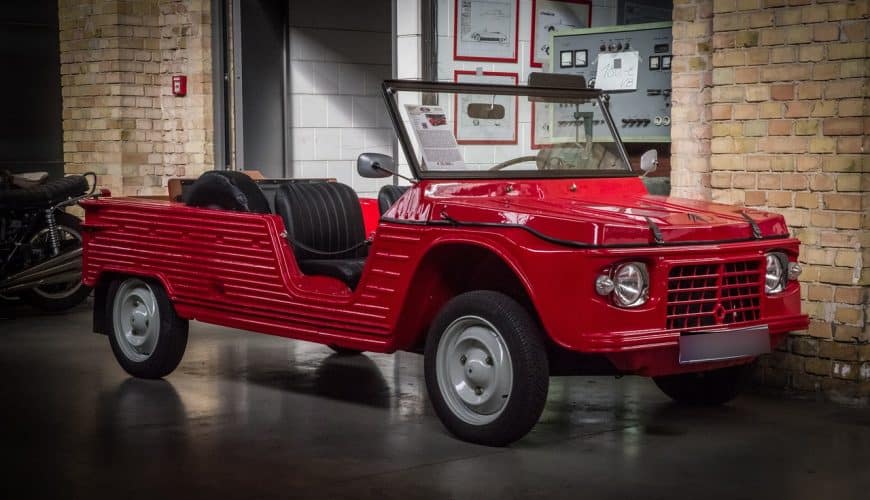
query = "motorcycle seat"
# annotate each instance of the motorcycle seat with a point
(29, 179)
(44, 195)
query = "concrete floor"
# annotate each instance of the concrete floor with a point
(252, 416)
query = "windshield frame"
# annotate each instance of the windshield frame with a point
(391, 87)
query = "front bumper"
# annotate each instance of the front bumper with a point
(658, 353)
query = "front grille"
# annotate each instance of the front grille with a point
(702, 295)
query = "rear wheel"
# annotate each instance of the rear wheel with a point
(486, 368)
(147, 337)
(59, 296)
(708, 388)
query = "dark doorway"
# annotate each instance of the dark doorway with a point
(31, 133)
(260, 70)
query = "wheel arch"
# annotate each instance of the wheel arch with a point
(438, 278)
(102, 284)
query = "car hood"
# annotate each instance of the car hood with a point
(595, 212)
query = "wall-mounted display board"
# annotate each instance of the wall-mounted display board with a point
(549, 16)
(486, 30)
(483, 119)
(630, 62)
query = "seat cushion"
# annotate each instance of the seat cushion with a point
(388, 196)
(346, 270)
(50, 193)
(228, 190)
(325, 217)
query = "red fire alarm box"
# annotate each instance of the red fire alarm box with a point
(179, 85)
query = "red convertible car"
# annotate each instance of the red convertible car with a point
(503, 265)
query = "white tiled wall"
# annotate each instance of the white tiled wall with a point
(340, 52)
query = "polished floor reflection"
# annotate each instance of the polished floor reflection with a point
(253, 416)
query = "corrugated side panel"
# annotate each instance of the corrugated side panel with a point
(236, 270)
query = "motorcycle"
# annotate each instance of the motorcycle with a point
(40, 243)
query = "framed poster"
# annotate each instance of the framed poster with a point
(555, 15)
(483, 119)
(486, 30)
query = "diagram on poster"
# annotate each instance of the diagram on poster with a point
(435, 137)
(485, 119)
(617, 71)
(486, 30)
(549, 16)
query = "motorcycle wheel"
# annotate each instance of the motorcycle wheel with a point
(63, 296)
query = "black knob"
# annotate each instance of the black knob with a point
(603, 48)
(619, 46)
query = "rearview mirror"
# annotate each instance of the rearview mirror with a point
(649, 161)
(486, 111)
(375, 165)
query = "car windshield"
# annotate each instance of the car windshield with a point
(504, 131)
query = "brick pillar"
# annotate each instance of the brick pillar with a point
(119, 118)
(789, 112)
(690, 98)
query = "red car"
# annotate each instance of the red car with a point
(502, 271)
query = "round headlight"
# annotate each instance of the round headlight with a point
(630, 284)
(774, 273)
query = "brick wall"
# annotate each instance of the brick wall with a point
(119, 117)
(690, 98)
(789, 116)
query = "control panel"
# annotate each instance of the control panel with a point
(642, 111)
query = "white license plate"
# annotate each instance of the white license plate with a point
(724, 344)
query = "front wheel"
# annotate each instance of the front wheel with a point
(147, 337)
(708, 388)
(486, 368)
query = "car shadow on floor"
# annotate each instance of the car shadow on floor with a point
(349, 378)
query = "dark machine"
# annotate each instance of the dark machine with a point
(41, 244)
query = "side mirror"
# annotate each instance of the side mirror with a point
(649, 161)
(375, 165)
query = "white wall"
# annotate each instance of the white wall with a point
(340, 52)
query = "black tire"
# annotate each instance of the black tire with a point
(708, 388)
(527, 353)
(58, 303)
(227, 190)
(171, 340)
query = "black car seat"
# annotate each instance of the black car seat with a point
(229, 190)
(389, 195)
(325, 227)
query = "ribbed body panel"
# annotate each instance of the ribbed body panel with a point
(237, 270)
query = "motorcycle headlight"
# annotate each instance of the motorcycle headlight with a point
(630, 284)
(775, 265)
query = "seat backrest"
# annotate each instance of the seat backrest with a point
(388, 195)
(325, 216)
(228, 190)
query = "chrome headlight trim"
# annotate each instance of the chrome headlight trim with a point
(775, 272)
(631, 284)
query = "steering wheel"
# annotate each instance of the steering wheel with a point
(543, 160)
(513, 161)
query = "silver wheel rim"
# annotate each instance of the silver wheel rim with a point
(136, 319)
(474, 370)
(64, 290)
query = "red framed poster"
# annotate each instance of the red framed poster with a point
(486, 30)
(482, 119)
(555, 15)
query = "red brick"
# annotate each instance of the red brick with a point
(843, 126)
(782, 92)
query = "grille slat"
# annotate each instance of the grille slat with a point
(704, 295)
